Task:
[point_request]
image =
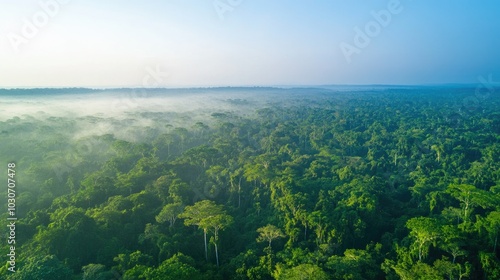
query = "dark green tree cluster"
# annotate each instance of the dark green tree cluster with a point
(395, 184)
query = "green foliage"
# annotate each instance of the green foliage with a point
(38, 268)
(208, 216)
(355, 264)
(425, 232)
(269, 233)
(128, 261)
(71, 235)
(328, 174)
(301, 272)
(169, 213)
(96, 272)
(177, 267)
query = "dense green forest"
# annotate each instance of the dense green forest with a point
(397, 183)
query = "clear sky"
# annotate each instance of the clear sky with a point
(183, 43)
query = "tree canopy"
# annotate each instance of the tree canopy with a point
(401, 183)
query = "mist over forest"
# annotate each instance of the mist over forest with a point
(380, 182)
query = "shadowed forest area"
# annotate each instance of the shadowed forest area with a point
(373, 183)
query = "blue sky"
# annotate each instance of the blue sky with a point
(184, 43)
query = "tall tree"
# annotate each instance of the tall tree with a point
(207, 215)
(269, 233)
(169, 213)
(195, 215)
(217, 222)
(425, 231)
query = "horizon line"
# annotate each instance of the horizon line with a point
(245, 86)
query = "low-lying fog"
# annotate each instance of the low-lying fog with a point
(122, 111)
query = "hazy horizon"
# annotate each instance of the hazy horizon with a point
(319, 86)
